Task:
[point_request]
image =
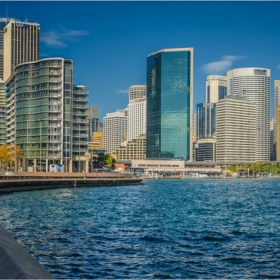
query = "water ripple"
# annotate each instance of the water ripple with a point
(160, 229)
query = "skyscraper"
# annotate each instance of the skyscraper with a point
(170, 104)
(136, 116)
(137, 91)
(276, 117)
(254, 83)
(216, 88)
(206, 120)
(236, 130)
(93, 118)
(21, 44)
(114, 130)
(3, 23)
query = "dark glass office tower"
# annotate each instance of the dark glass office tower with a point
(206, 120)
(169, 104)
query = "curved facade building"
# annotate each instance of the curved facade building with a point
(40, 111)
(255, 84)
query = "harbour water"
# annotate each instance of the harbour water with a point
(159, 229)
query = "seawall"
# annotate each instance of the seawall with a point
(16, 262)
(26, 181)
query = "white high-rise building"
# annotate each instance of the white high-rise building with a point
(255, 84)
(216, 88)
(114, 129)
(276, 103)
(137, 91)
(137, 107)
(236, 130)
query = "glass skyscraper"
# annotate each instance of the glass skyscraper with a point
(206, 120)
(169, 104)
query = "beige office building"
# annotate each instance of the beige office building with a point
(3, 23)
(97, 140)
(21, 44)
(216, 88)
(135, 149)
(236, 130)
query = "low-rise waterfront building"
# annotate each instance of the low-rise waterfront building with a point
(205, 150)
(135, 149)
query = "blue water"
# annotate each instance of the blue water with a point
(159, 229)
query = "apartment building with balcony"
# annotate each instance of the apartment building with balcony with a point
(42, 115)
(3, 136)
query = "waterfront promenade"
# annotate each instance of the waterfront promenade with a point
(25, 181)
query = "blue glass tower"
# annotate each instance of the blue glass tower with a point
(169, 104)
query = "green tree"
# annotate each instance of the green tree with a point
(99, 159)
(232, 168)
(109, 161)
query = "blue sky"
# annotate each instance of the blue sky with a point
(109, 41)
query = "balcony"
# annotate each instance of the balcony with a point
(80, 121)
(80, 93)
(82, 114)
(79, 99)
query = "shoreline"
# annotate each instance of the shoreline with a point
(24, 181)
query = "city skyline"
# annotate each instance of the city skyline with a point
(110, 49)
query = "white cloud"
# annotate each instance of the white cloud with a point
(220, 66)
(123, 91)
(61, 37)
(278, 67)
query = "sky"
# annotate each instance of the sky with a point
(109, 41)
